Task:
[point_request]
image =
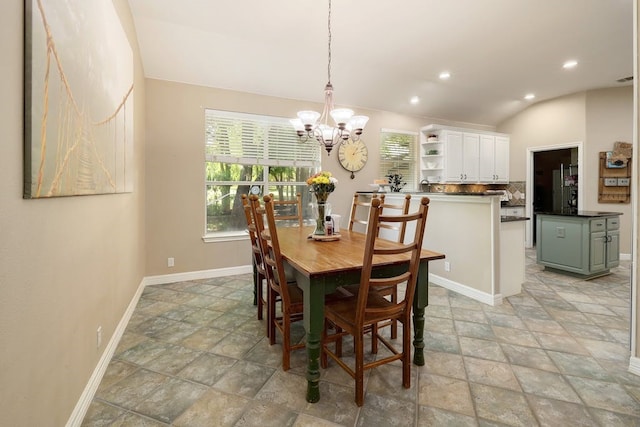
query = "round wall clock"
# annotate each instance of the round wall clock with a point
(352, 155)
(255, 189)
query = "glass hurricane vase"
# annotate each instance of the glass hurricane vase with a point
(320, 211)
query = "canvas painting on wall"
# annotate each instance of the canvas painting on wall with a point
(78, 100)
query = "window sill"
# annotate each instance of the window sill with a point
(225, 237)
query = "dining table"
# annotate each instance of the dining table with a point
(321, 266)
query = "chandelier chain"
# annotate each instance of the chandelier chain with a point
(329, 61)
(311, 125)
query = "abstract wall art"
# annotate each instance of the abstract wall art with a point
(78, 110)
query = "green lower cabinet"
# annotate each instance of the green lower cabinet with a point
(613, 249)
(582, 245)
(598, 248)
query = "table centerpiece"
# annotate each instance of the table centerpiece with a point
(321, 185)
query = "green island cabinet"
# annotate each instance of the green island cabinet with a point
(584, 243)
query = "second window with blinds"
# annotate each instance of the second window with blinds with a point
(398, 154)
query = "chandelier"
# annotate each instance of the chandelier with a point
(311, 125)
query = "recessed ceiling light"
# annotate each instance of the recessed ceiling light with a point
(414, 100)
(570, 64)
(529, 96)
(444, 75)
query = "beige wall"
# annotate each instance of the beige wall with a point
(597, 118)
(558, 121)
(175, 170)
(609, 115)
(67, 265)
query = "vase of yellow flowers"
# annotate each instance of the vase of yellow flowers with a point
(321, 185)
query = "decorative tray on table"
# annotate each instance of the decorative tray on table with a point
(324, 238)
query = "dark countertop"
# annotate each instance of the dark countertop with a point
(571, 212)
(507, 218)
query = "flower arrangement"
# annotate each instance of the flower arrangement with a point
(396, 182)
(321, 184)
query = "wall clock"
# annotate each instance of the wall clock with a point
(353, 155)
(255, 189)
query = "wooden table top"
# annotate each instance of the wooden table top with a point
(314, 257)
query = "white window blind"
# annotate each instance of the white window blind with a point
(398, 155)
(253, 139)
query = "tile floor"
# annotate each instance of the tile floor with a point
(557, 354)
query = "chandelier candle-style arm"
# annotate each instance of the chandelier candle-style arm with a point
(311, 125)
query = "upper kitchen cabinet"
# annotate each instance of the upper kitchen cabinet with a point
(494, 159)
(457, 155)
(462, 153)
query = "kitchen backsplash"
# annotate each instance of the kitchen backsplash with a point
(516, 192)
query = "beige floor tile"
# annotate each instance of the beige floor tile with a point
(489, 372)
(445, 393)
(502, 406)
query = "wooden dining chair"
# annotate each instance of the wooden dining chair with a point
(259, 273)
(288, 295)
(388, 229)
(288, 210)
(278, 289)
(358, 209)
(363, 313)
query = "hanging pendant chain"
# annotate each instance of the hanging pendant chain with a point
(329, 62)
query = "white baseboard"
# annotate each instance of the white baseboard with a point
(90, 389)
(634, 365)
(197, 275)
(466, 290)
(625, 257)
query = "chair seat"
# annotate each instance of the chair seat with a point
(345, 309)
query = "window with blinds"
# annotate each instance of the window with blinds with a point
(248, 153)
(398, 154)
(253, 139)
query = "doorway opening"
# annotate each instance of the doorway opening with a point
(553, 182)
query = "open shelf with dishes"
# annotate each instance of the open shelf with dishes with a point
(431, 157)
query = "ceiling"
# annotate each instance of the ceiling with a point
(384, 52)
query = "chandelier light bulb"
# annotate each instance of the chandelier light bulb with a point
(308, 118)
(341, 116)
(358, 123)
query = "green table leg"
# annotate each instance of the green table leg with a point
(418, 339)
(313, 291)
(420, 301)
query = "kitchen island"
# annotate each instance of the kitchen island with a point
(585, 244)
(485, 252)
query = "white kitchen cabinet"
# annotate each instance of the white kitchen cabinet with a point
(512, 211)
(463, 156)
(501, 156)
(494, 159)
(461, 159)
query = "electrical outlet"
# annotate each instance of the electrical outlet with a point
(99, 337)
(447, 266)
(171, 262)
